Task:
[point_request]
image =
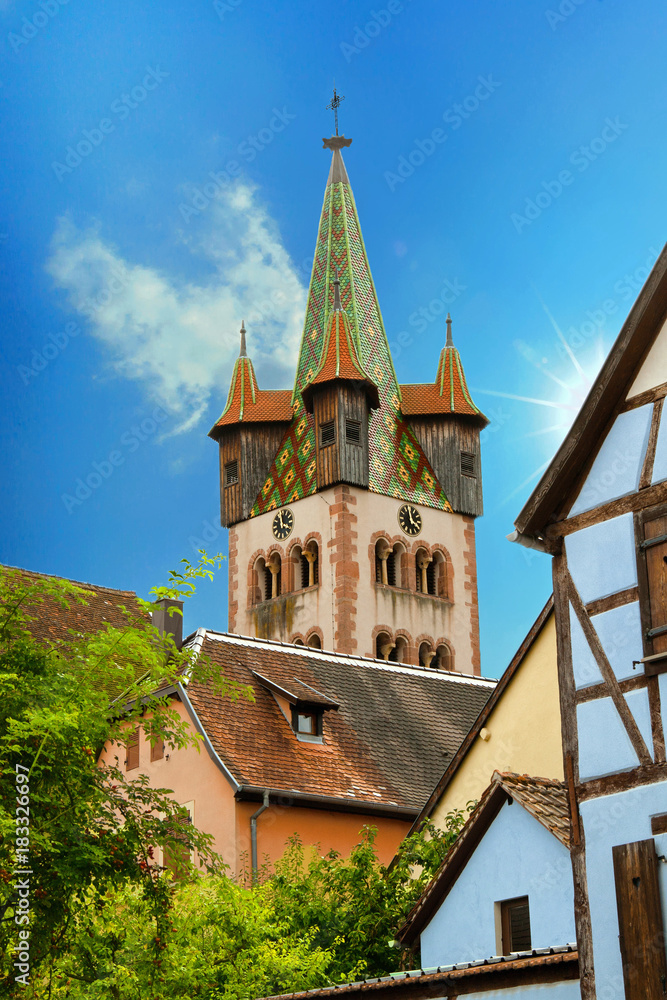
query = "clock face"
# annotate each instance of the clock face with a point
(283, 523)
(409, 519)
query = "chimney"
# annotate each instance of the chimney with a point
(169, 624)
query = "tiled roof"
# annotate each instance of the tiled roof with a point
(448, 394)
(398, 466)
(442, 982)
(55, 624)
(340, 360)
(248, 404)
(544, 798)
(383, 746)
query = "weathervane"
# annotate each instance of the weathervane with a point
(334, 105)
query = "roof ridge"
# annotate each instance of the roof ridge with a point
(319, 654)
(67, 579)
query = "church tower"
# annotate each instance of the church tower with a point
(351, 500)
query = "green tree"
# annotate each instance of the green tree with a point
(83, 827)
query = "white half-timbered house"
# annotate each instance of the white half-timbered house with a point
(601, 511)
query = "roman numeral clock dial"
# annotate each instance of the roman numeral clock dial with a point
(409, 519)
(282, 524)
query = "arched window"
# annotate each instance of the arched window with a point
(401, 649)
(310, 570)
(299, 642)
(385, 647)
(260, 581)
(425, 572)
(385, 563)
(440, 575)
(272, 577)
(443, 658)
(426, 655)
(314, 641)
(400, 565)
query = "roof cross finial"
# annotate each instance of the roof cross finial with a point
(334, 105)
(336, 284)
(242, 352)
(449, 342)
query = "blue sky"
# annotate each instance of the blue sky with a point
(531, 142)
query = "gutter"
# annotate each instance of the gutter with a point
(253, 832)
(284, 798)
(528, 541)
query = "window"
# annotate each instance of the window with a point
(272, 579)
(176, 854)
(157, 750)
(385, 564)
(425, 573)
(327, 434)
(443, 658)
(306, 723)
(314, 641)
(309, 565)
(385, 648)
(426, 655)
(353, 432)
(132, 750)
(467, 464)
(515, 925)
(232, 473)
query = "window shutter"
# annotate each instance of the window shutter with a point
(132, 751)
(467, 464)
(327, 434)
(654, 547)
(353, 432)
(641, 936)
(157, 750)
(515, 920)
(232, 473)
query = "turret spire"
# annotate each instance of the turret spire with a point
(337, 306)
(243, 352)
(449, 342)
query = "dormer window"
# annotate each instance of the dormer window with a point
(306, 723)
(302, 705)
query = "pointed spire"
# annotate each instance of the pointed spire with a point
(337, 306)
(243, 352)
(449, 342)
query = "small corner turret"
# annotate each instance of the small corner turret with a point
(249, 432)
(448, 425)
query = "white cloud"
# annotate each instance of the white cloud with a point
(180, 338)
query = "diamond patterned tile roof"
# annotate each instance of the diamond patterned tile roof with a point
(248, 404)
(448, 394)
(397, 465)
(340, 361)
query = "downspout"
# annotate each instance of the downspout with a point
(253, 832)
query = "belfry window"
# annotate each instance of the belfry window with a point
(385, 564)
(309, 565)
(327, 434)
(468, 464)
(353, 432)
(425, 572)
(232, 473)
